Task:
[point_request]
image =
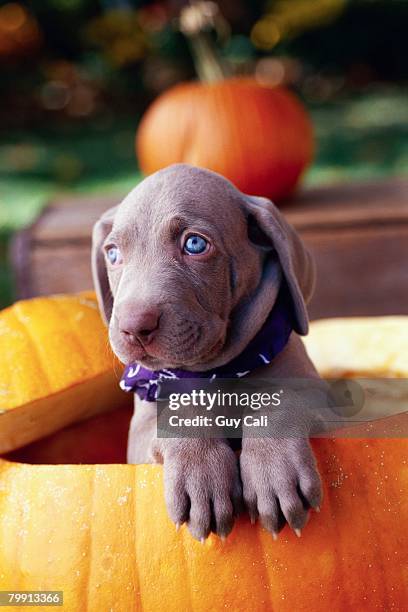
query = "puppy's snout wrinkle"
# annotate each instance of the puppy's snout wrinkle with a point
(139, 324)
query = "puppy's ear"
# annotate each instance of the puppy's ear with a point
(268, 229)
(100, 276)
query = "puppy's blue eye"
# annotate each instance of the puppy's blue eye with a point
(113, 254)
(195, 245)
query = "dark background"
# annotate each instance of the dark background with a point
(76, 75)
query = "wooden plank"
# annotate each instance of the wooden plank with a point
(71, 218)
(342, 206)
(361, 272)
(358, 234)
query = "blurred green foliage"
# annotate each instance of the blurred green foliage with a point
(365, 137)
(83, 158)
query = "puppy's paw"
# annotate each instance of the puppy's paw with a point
(202, 485)
(280, 481)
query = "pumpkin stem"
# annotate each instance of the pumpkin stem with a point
(196, 21)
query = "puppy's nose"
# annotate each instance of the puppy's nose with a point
(142, 325)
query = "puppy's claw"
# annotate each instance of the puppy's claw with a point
(298, 532)
(317, 508)
(202, 540)
(274, 535)
(252, 518)
(178, 525)
(223, 538)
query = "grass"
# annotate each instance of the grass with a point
(360, 138)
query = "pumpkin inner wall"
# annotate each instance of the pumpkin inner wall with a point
(99, 439)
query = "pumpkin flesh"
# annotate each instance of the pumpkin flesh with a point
(102, 535)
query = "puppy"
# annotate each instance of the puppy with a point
(187, 270)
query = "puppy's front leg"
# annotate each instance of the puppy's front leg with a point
(279, 473)
(142, 432)
(202, 485)
(280, 481)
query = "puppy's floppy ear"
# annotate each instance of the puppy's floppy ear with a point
(267, 225)
(100, 276)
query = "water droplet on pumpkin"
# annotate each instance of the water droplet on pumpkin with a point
(107, 563)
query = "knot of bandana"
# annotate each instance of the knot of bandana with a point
(268, 342)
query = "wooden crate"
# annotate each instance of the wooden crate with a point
(358, 234)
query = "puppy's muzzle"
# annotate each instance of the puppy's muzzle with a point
(139, 326)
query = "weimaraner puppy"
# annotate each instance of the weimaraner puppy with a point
(187, 269)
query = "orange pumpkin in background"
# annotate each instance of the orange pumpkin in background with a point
(257, 136)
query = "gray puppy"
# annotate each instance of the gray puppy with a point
(167, 307)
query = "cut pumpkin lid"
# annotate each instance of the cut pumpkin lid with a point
(57, 367)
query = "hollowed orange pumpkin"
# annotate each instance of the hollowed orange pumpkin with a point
(102, 535)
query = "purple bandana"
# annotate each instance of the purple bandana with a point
(268, 342)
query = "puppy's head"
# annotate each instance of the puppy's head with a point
(187, 268)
